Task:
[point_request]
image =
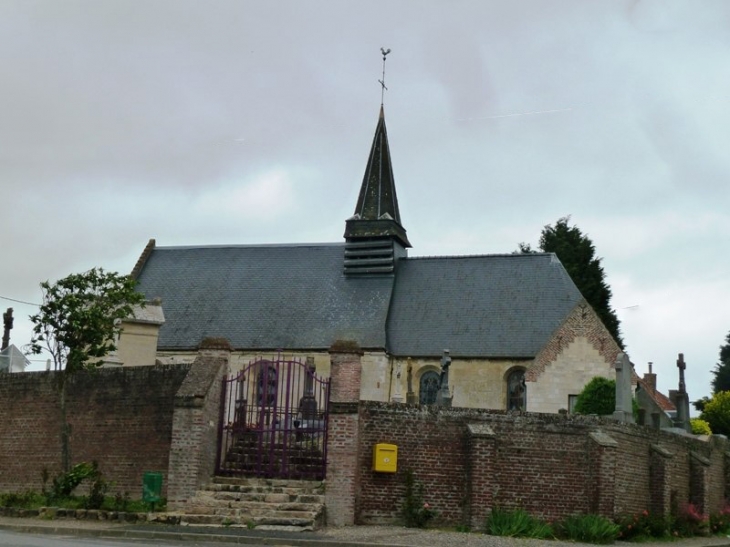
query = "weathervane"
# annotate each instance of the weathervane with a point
(382, 82)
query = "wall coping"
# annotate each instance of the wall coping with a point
(603, 439)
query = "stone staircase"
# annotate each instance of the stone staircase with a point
(263, 504)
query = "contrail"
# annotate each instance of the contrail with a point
(518, 114)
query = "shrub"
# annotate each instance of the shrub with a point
(720, 522)
(598, 397)
(688, 522)
(587, 529)
(700, 426)
(65, 483)
(643, 525)
(717, 413)
(416, 513)
(517, 523)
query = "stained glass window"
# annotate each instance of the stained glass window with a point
(429, 387)
(516, 391)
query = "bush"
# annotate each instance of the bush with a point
(598, 397)
(642, 526)
(65, 483)
(700, 426)
(587, 529)
(720, 522)
(416, 513)
(688, 522)
(717, 413)
(517, 523)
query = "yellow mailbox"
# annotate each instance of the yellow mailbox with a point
(385, 458)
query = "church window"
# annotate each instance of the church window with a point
(267, 385)
(429, 387)
(516, 390)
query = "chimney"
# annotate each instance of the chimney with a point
(650, 379)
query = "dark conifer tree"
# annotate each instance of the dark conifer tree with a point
(721, 381)
(578, 255)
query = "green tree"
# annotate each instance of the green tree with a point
(598, 397)
(578, 255)
(78, 323)
(721, 381)
(717, 413)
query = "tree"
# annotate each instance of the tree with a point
(78, 323)
(717, 413)
(721, 381)
(578, 255)
(598, 397)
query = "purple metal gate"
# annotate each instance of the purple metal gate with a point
(273, 421)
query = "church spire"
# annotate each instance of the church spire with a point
(374, 235)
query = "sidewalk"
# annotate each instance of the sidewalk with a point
(351, 536)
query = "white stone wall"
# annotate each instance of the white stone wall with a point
(575, 366)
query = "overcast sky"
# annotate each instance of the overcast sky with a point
(250, 122)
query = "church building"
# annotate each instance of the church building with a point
(517, 331)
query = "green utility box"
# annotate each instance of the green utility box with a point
(152, 488)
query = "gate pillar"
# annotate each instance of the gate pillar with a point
(343, 435)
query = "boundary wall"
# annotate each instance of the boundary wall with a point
(130, 420)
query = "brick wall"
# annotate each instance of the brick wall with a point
(195, 426)
(122, 418)
(470, 460)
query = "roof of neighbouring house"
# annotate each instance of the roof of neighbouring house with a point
(12, 359)
(661, 400)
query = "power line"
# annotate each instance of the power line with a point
(20, 301)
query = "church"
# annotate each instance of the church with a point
(517, 332)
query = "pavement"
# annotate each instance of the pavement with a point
(349, 536)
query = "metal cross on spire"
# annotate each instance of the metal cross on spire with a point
(382, 82)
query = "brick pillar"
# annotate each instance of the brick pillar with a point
(195, 425)
(602, 452)
(659, 482)
(482, 451)
(699, 482)
(343, 435)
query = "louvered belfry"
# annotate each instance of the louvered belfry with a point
(374, 236)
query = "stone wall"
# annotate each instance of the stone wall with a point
(121, 418)
(470, 460)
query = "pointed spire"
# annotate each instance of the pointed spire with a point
(377, 213)
(374, 237)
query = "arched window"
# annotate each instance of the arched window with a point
(267, 385)
(516, 390)
(428, 387)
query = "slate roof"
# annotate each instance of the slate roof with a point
(479, 306)
(263, 297)
(268, 297)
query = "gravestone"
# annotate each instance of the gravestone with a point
(624, 397)
(443, 398)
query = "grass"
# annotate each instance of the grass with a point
(35, 500)
(517, 523)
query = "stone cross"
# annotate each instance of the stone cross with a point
(624, 410)
(681, 365)
(443, 398)
(397, 392)
(411, 398)
(681, 399)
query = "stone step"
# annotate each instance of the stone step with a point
(256, 502)
(267, 483)
(211, 497)
(283, 522)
